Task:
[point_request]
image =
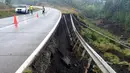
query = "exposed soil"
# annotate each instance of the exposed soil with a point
(114, 28)
(64, 60)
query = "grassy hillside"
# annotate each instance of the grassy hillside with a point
(116, 55)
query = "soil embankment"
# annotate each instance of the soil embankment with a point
(115, 28)
(58, 55)
(64, 60)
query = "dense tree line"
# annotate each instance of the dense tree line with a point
(118, 11)
(114, 11)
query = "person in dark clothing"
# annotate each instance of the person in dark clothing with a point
(43, 10)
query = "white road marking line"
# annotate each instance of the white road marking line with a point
(37, 50)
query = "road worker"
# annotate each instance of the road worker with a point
(31, 9)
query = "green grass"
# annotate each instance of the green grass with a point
(126, 52)
(28, 70)
(4, 14)
(112, 58)
(93, 25)
(108, 49)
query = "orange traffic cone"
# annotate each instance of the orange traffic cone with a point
(15, 21)
(37, 15)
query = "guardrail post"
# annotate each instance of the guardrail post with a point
(75, 44)
(88, 66)
(83, 54)
(78, 49)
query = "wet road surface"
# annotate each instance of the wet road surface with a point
(17, 44)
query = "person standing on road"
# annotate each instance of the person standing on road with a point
(31, 9)
(43, 9)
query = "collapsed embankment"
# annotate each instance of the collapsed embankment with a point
(63, 53)
(60, 55)
(64, 59)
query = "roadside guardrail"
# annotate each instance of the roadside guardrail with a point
(104, 67)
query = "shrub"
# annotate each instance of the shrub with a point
(112, 58)
(101, 46)
(126, 52)
(123, 63)
(102, 40)
(106, 46)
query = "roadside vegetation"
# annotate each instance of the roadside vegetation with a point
(117, 11)
(109, 17)
(116, 55)
(28, 70)
(6, 13)
(93, 25)
(6, 10)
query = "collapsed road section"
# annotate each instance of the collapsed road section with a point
(58, 56)
(64, 60)
(66, 53)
